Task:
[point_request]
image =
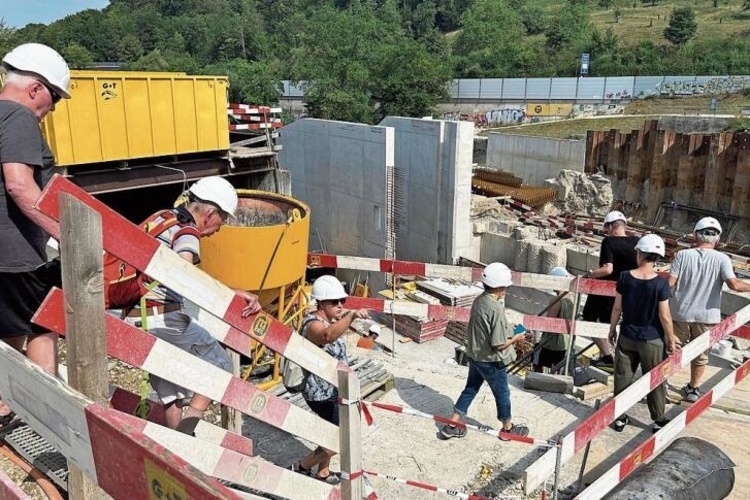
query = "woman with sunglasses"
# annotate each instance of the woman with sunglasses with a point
(325, 327)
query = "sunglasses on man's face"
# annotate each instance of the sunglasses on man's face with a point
(55, 96)
(337, 302)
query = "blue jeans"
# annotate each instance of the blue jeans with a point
(496, 376)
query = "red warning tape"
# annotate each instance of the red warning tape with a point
(443, 420)
(425, 486)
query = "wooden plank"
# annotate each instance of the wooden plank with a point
(81, 249)
(350, 436)
(142, 350)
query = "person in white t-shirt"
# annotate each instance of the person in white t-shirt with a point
(697, 277)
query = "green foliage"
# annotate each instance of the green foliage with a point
(250, 81)
(77, 56)
(606, 4)
(741, 124)
(534, 20)
(682, 26)
(570, 29)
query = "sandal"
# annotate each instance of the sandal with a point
(297, 467)
(333, 478)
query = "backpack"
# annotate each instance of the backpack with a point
(124, 285)
(294, 376)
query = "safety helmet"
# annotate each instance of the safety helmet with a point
(496, 275)
(328, 288)
(218, 191)
(651, 243)
(613, 216)
(707, 223)
(374, 329)
(42, 61)
(559, 271)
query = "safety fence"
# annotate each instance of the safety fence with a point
(654, 444)
(576, 440)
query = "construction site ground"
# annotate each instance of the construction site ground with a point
(426, 379)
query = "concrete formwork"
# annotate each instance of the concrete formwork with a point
(340, 170)
(433, 189)
(534, 159)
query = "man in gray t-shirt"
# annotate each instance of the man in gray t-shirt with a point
(697, 277)
(36, 78)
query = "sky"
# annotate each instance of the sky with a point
(19, 13)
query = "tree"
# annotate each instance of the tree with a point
(77, 56)
(682, 26)
(488, 45)
(606, 4)
(571, 27)
(534, 20)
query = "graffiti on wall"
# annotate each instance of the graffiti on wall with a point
(620, 94)
(492, 118)
(543, 109)
(718, 85)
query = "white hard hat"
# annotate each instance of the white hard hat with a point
(374, 329)
(651, 243)
(558, 271)
(216, 190)
(613, 216)
(44, 62)
(707, 223)
(496, 275)
(328, 288)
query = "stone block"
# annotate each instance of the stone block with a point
(546, 382)
(591, 391)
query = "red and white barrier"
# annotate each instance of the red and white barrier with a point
(9, 490)
(573, 442)
(127, 402)
(142, 350)
(656, 443)
(443, 420)
(425, 486)
(131, 244)
(255, 126)
(529, 280)
(102, 442)
(251, 109)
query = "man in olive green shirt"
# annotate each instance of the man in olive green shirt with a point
(489, 347)
(553, 346)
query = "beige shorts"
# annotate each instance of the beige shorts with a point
(685, 332)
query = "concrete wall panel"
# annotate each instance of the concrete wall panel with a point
(534, 159)
(339, 169)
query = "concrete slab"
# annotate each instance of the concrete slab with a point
(435, 159)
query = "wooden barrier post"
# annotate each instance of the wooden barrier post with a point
(350, 436)
(82, 277)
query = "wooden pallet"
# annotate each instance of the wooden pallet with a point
(378, 389)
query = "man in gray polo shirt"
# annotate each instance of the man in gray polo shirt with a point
(697, 277)
(489, 347)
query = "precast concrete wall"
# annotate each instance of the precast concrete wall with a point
(340, 170)
(534, 159)
(433, 161)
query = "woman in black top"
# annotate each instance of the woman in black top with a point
(646, 330)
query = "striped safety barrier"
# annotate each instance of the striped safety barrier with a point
(656, 443)
(131, 244)
(443, 420)
(425, 486)
(529, 280)
(9, 490)
(251, 109)
(254, 126)
(142, 350)
(576, 440)
(105, 444)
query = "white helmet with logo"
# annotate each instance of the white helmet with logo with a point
(496, 275)
(651, 243)
(328, 288)
(613, 216)
(42, 61)
(708, 223)
(218, 191)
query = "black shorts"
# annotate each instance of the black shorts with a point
(548, 357)
(598, 308)
(328, 410)
(21, 294)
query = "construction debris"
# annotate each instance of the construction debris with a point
(547, 382)
(579, 193)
